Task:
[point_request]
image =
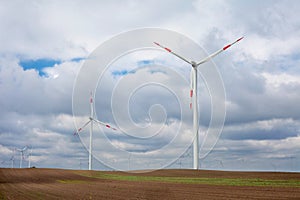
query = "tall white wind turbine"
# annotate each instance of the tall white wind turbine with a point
(22, 154)
(91, 122)
(193, 93)
(29, 157)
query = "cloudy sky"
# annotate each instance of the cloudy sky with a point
(45, 46)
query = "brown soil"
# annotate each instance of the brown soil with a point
(68, 184)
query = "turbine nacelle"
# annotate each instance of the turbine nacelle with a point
(194, 64)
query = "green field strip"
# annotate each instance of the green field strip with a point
(66, 181)
(2, 197)
(206, 181)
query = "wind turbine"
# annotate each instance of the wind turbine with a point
(193, 92)
(22, 154)
(91, 122)
(12, 159)
(29, 157)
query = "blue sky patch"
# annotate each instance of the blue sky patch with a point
(38, 64)
(153, 71)
(145, 62)
(42, 63)
(122, 72)
(125, 72)
(77, 59)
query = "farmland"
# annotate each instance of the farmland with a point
(162, 184)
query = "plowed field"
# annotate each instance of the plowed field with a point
(161, 184)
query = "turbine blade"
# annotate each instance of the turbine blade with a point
(170, 51)
(80, 129)
(104, 124)
(218, 52)
(91, 97)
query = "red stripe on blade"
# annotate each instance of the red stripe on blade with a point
(226, 47)
(191, 93)
(169, 50)
(240, 39)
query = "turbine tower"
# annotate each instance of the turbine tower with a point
(29, 157)
(12, 159)
(193, 93)
(91, 122)
(22, 154)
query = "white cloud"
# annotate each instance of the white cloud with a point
(261, 87)
(274, 81)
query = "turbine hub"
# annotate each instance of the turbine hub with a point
(194, 64)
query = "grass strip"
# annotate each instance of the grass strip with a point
(2, 197)
(191, 180)
(71, 181)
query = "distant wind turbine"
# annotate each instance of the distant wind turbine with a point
(22, 154)
(91, 122)
(193, 92)
(12, 159)
(29, 157)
